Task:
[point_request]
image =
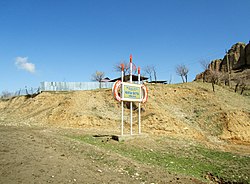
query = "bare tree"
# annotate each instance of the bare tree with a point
(240, 82)
(98, 76)
(237, 83)
(214, 77)
(154, 72)
(118, 67)
(205, 66)
(224, 77)
(243, 87)
(150, 71)
(182, 71)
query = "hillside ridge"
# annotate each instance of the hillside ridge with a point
(190, 110)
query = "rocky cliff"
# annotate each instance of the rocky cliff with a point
(238, 59)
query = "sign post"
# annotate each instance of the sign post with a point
(139, 105)
(131, 104)
(122, 65)
(130, 92)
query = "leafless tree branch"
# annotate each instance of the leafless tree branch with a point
(182, 71)
(98, 76)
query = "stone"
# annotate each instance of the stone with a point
(238, 58)
(247, 54)
(215, 65)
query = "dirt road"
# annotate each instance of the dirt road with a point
(46, 155)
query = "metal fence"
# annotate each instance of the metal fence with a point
(56, 86)
(20, 92)
(73, 86)
(27, 91)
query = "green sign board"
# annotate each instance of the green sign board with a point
(131, 92)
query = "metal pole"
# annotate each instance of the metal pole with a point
(131, 104)
(122, 100)
(139, 106)
(228, 70)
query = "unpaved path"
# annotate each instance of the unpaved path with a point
(46, 155)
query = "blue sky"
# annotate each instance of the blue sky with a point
(68, 40)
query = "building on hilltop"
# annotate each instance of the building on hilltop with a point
(127, 78)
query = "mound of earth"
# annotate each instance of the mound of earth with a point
(190, 135)
(191, 111)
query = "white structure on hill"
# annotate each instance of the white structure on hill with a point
(73, 86)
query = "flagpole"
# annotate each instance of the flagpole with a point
(122, 66)
(139, 106)
(131, 104)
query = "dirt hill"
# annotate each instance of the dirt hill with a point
(190, 135)
(189, 110)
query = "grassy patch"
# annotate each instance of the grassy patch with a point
(213, 125)
(195, 161)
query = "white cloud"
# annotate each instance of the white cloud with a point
(22, 63)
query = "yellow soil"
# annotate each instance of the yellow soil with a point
(189, 111)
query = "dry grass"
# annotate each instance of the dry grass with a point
(190, 110)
